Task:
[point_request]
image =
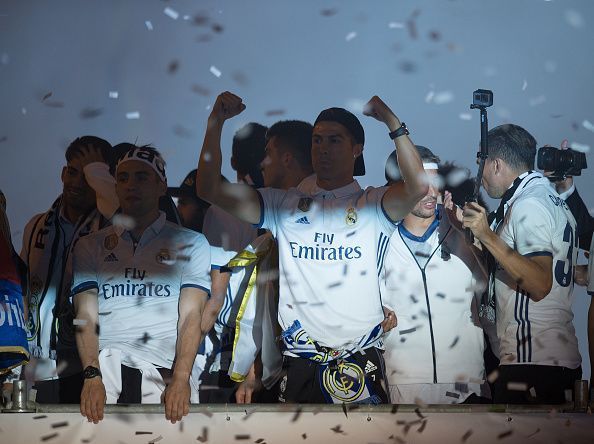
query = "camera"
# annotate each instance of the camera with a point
(562, 163)
(482, 98)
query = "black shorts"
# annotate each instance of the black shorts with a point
(360, 378)
(533, 384)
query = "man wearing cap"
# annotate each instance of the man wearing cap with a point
(332, 237)
(436, 354)
(129, 285)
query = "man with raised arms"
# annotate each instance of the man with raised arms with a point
(332, 237)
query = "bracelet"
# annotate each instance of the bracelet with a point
(399, 132)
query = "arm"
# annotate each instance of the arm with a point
(251, 384)
(238, 199)
(533, 274)
(177, 394)
(401, 197)
(92, 397)
(218, 292)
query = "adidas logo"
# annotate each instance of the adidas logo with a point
(302, 220)
(370, 367)
(111, 258)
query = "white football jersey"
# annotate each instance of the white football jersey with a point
(331, 247)
(537, 222)
(139, 288)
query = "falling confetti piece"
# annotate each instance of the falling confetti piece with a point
(328, 12)
(297, 414)
(419, 414)
(504, 434)
(148, 25)
(215, 71)
(396, 25)
(517, 386)
(217, 28)
(574, 18)
(338, 429)
(133, 115)
(350, 36)
(143, 433)
(170, 12)
(407, 331)
(242, 437)
(48, 437)
(422, 428)
(539, 100)
(454, 342)
(453, 395)
(466, 435)
(90, 113)
(47, 96)
(24, 111)
(443, 97)
(80, 322)
(113, 94)
(40, 417)
(173, 67)
(435, 36)
(57, 425)
(275, 112)
(429, 96)
(104, 313)
(580, 147)
(524, 85)
(588, 125)
(304, 435)
(204, 436)
(154, 440)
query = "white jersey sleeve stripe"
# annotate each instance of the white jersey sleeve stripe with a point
(84, 286)
(207, 290)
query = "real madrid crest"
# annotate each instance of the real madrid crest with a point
(305, 204)
(351, 216)
(110, 241)
(164, 256)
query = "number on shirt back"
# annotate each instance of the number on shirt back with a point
(563, 277)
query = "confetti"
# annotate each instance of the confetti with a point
(328, 12)
(200, 20)
(588, 125)
(242, 437)
(574, 18)
(304, 435)
(275, 112)
(422, 428)
(539, 100)
(113, 94)
(350, 36)
(154, 440)
(453, 395)
(23, 111)
(148, 25)
(104, 313)
(90, 113)
(4, 59)
(504, 434)
(47, 96)
(466, 435)
(396, 25)
(80, 322)
(454, 342)
(173, 67)
(443, 97)
(407, 331)
(48, 437)
(57, 425)
(580, 147)
(4, 139)
(435, 36)
(517, 386)
(337, 429)
(429, 96)
(215, 71)
(217, 28)
(143, 433)
(335, 284)
(133, 115)
(344, 410)
(170, 12)
(419, 414)
(40, 417)
(297, 414)
(534, 433)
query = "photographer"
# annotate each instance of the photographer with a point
(560, 171)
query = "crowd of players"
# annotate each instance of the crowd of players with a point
(293, 284)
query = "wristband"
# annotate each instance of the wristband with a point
(399, 132)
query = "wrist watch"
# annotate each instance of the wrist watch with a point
(401, 131)
(91, 372)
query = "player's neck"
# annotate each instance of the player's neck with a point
(333, 184)
(417, 225)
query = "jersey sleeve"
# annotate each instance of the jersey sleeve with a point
(270, 204)
(374, 198)
(532, 228)
(84, 267)
(220, 257)
(196, 272)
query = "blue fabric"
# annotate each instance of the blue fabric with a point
(14, 349)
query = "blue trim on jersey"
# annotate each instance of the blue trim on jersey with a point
(539, 253)
(427, 234)
(518, 354)
(524, 330)
(227, 304)
(382, 248)
(207, 290)
(384, 210)
(84, 286)
(261, 221)
(529, 334)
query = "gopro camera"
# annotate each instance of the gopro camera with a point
(482, 98)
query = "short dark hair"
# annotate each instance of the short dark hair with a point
(103, 145)
(248, 151)
(514, 145)
(392, 170)
(294, 135)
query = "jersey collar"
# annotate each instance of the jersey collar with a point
(309, 186)
(154, 228)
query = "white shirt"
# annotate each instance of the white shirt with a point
(139, 288)
(438, 340)
(538, 222)
(331, 246)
